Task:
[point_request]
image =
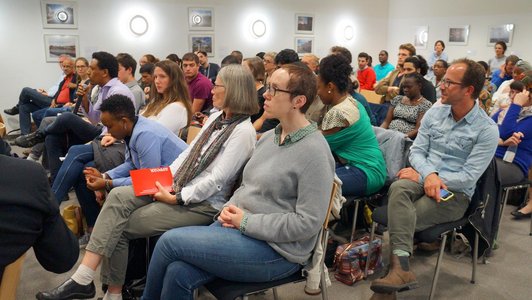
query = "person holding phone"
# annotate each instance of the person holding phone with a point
(454, 146)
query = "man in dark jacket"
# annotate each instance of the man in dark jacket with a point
(29, 217)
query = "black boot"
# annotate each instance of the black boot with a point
(30, 140)
(69, 290)
(12, 111)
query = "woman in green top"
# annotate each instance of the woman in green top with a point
(347, 129)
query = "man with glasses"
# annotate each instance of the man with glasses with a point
(454, 145)
(35, 103)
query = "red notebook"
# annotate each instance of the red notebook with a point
(144, 180)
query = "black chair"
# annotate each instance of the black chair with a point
(430, 235)
(506, 189)
(231, 290)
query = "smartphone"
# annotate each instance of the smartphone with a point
(445, 195)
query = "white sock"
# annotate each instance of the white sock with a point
(109, 296)
(400, 252)
(83, 275)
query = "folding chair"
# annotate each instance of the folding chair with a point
(231, 290)
(506, 189)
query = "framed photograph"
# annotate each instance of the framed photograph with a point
(202, 42)
(59, 14)
(304, 45)
(57, 44)
(304, 23)
(458, 35)
(421, 37)
(200, 18)
(502, 32)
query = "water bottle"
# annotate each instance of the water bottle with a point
(509, 155)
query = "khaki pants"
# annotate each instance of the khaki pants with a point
(410, 210)
(125, 217)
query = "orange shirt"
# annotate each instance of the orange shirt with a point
(64, 92)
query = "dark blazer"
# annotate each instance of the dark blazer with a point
(29, 217)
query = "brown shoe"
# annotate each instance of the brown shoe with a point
(378, 296)
(429, 247)
(397, 280)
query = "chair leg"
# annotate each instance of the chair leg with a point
(371, 237)
(504, 199)
(275, 295)
(354, 227)
(438, 265)
(475, 259)
(323, 270)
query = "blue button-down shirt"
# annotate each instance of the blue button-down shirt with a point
(459, 151)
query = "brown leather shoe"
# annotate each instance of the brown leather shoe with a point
(378, 296)
(429, 247)
(397, 280)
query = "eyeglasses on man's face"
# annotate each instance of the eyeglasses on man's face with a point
(447, 83)
(273, 90)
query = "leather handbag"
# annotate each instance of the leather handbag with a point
(350, 260)
(73, 219)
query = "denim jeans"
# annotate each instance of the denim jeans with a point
(188, 257)
(29, 101)
(354, 180)
(71, 175)
(67, 130)
(42, 113)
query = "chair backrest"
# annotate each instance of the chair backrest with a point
(372, 97)
(331, 204)
(192, 133)
(10, 279)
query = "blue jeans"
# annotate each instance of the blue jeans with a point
(71, 175)
(354, 180)
(67, 130)
(42, 113)
(186, 258)
(29, 101)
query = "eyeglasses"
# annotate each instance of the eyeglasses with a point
(273, 90)
(447, 83)
(218, 86)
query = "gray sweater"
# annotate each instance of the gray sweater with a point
(285, 193)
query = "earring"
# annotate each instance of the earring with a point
(294, 107)
(328, 92)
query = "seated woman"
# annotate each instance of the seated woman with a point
(516, 130)
(515, 88)
(406, 112)
(170, 107)
(203, 177)
(417, 64)
(347, 129)
(271, 224)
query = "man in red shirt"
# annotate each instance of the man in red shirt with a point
(366, 76)
(63, 98)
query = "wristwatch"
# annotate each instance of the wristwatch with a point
(178, 199)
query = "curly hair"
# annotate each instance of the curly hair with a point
(336, 69)
(419, 63)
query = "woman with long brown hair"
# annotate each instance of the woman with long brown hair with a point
(170, 100)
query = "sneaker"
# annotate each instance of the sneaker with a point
(84, 240)
(11, 111)
(30, 140)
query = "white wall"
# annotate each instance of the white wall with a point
(103, 25)
(404, 15)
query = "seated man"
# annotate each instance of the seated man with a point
(454, 146)
(28, 94)
(146, 79)
(29, 217)
(37, 101)
(69, 129)
(209, 70)
(126, 68)
(505, 72)
(199, 86)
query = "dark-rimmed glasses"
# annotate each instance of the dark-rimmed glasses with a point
(273, 90)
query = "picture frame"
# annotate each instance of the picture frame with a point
(202, 42)
(304, 45)
(201, 18)
(421, 37)
(458, 35)
(503, 32)
(304, 23)
(59, 14)
(58, 44)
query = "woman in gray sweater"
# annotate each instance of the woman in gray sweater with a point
(269, 227)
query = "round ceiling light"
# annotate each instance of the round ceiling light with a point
(349, 32)
(138, 25)
(258, 28)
